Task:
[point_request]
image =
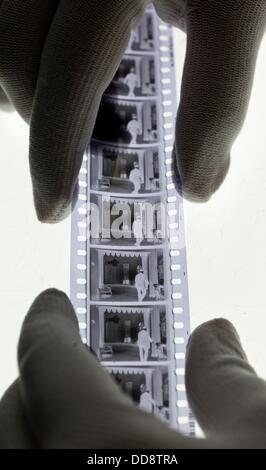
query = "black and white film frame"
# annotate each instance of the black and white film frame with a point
(176, 302)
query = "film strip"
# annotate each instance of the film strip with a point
(128, 259)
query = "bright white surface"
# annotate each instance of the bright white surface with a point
(33, 256)
(226, 238)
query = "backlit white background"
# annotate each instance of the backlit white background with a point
(226, 237)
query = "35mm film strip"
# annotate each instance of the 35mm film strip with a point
(128, 257)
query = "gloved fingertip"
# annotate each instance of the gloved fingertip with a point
(193, 196)
(53, 214)
(52, 293)
(50, 314)
(199, 185)
(213, 326)
(212, 336)
(52, 301)
(5, 103)
(51, 209)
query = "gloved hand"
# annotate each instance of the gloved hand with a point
(64, 398)
(57, 57)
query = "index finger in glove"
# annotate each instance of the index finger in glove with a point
(82, 52)
(223, 40)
